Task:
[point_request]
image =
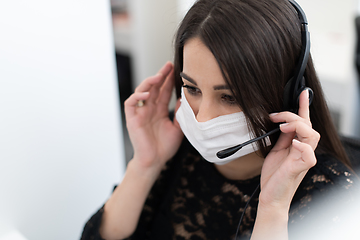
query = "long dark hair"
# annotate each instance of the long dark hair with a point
(257, 44)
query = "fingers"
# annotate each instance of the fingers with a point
(303, 132)
(154, 83)
(146, 85)
(285, 139)
(304, 157)
(304, 105)
(166, 89)
(295, 125)
(288, 117)
(130, 104)
(150, 88)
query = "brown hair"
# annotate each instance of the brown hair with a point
(256, 44)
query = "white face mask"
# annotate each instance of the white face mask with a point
(216, 134)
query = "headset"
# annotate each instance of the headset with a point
(293, 88)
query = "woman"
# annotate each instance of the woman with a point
(233, 60)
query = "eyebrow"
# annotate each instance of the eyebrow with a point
(216, 87)
(183, 75)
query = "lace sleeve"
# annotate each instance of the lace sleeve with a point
(152, 219)
(91, 228)
(153, 202)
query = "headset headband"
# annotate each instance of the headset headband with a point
(296, 84)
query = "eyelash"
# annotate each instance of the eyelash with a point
(228, 99)
(192, 90)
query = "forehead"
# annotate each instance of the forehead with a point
(200, 64)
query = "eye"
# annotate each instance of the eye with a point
(192, 90)
(228, 99)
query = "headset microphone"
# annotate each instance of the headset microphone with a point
(293, 88)
(231, 150)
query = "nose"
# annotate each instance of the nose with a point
(206, 111)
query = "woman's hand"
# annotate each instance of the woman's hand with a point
(283, 170)
(155, 138)
(291, 157)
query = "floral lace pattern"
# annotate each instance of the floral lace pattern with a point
(192, 200)
(208, 206)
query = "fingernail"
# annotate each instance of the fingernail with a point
(307, 93)
(295, 141)
(283, 124)
(273, 114)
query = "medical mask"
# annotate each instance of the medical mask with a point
(216, 134)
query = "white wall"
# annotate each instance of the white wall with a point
(332, 33)
(153, 25)
(61, 147)
(183, 7)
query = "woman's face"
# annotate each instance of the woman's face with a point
(204, 86)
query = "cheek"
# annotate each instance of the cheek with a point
(233, 109)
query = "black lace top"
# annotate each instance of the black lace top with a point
(192, 200)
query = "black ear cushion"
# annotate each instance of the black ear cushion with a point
(311, 95)
(291, 97)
